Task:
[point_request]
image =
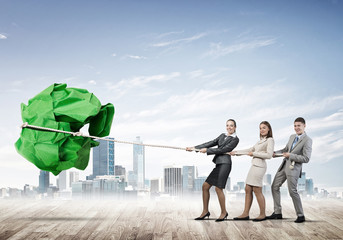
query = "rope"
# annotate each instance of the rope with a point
(80, 134)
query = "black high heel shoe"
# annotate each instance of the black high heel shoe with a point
(222, 219)
(203, 217)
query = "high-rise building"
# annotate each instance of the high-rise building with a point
(103, 158)
(119, 170)
(267, 179)
(241, 185)
(189, 173)
(173, 180)
(156, 185)
(73, 177)
(302, 183)
(62, 180)
(198, 182)
(309, 186)
(139, 163)
(132, 179)
(44, 181)
(228, 184)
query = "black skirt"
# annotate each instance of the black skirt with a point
(219, 175)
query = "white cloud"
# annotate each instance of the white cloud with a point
(217, 50)
(180, 41)
(136, 57)
(327, 147)
(169, 33)
(140, 81)
(2, 36)
(92, 82)
(114, 55)
(196, 74)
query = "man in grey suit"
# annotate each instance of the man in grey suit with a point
(297, 150)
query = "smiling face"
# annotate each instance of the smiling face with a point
(230, 127)
(299, 128)
(264, 129)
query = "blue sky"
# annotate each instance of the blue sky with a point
(177, 71)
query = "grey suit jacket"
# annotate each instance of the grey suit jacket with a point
(224, 146)
(301, 153)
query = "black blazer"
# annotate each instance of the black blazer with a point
(224, 146)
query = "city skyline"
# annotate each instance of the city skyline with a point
(176, 72)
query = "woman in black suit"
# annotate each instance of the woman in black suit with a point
(219, 175)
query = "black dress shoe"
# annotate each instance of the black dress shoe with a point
(300, 219)
(259, 219)
(222, 219)
(275, 216)
(243, 218)
(203, 217)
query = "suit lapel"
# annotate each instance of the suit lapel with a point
(302, 138)
(227, 139)
(290, 143)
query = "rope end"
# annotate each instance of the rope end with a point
(24, 125)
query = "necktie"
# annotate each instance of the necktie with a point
(295, 142)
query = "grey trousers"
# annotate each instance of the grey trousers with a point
(292, 182)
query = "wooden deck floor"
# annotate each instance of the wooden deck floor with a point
(110, 219)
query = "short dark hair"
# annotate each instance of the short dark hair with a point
(300, 119)
(234, 122)
(270, 132)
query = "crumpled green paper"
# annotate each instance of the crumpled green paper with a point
(67, 109)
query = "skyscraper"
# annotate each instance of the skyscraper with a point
(228, 184)
(119, 170)
(309, 186)
(173, 180)
(302, 183)
(103, 158)
(241, 185)
(73, 177)
(156, 185)
(139, 163)
(267, 179)
(62, 180)
(44, 181)
(132, 179)
(188, 176)
(198, 182)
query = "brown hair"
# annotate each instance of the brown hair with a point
(270, 132)
(300, 119)
(234, 122)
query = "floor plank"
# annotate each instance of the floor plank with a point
(164, 219)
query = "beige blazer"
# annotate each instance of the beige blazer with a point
(262, 150)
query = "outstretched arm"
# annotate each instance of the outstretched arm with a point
(226, 148)
(267, 154)
(209, 144)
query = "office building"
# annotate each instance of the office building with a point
(44, 181)
(73, 177)
(119, 170)
(309, 186)
(132, 179)
(173, 180)
(189, 173)
(139, 164)
(302, 183)
(267, 179)
(103, 158)
(156, 185)
(241, 185)
(198, 182)
(228, 184)
(62, 180)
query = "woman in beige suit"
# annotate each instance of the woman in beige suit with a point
(261, 151)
